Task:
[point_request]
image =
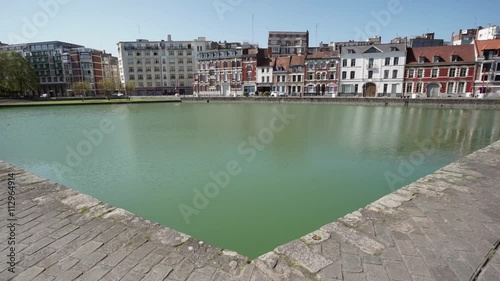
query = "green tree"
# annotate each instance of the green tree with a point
(16, 74)
(81, 88)
(108, 86)
(129, 87)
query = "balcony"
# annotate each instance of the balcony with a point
(371, 66)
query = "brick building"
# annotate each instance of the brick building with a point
(488, 68)
(321, 75)
(440, 71)
(286, 43)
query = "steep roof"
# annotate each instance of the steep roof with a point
(465, 53)
(487, 45)
(298, 60)
(322, 55)
(282, 62)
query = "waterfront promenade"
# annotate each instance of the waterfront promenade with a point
(443, 227)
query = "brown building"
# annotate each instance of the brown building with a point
(286, 43)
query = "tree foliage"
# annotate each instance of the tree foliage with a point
(129, 87)
(108, 86)
(16, 74)
(81, 88)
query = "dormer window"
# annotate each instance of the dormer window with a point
(454, 58)
(350, 51)
(421, 59)
(437, 59)
(394, 49)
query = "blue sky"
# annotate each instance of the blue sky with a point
(101, 24)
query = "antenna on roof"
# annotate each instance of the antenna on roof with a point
(253, 29)
(139, 27)
(316, 34)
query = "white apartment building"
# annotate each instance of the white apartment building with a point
(265, 75)
(160, 67)
(372, 71)
(489, 33)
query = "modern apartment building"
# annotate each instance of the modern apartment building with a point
(48, 61)
(373, 70)
(488, 72)
(489, 33)
(440, 71)
(111, 68)
(86, 66)
(163, 67)
(464, 36)
(286, 43)
(321, 77)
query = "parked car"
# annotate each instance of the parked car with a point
(118, 95)
(277, 94)
(45, 96)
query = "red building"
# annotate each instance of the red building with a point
(87, 66)
(321, 73)
(440, 71)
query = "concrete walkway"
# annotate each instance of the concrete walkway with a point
(443, 227)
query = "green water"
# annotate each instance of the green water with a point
(328, 161)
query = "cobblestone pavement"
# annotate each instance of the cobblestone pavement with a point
(442, 227)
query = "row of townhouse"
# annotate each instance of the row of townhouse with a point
(375, 70)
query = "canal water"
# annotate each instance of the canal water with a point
(245, 177)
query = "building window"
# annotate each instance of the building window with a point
(394, 88)
(411, 73)
(463, 72)
(344, 75)
(420, 73)
(130, 69)
(419, 87)
(356, 88)
(344, 63)
(452, 72)
(131, 77)
(386, 86)
(387, 61)
(396, 61)
(299, 78)
(451, 85)
(421, 59)
(140, 77)
(434, 73)
(461, 87)
(180, 53)
(409, 88)
(370, 74)
(394, 74)
(353, 74)
(454, 58)
(437, 59)
(332, 75)
(311, 76)
(353, 62)
(386, 74)
(370, 63)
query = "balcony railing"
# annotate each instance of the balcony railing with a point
(371, 66)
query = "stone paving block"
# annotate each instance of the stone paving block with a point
(406, 247)
(370, 259)
(118, 242)
(397, 270)
(111, 233)
(256, 276)
(60, 243)
(62, 223)
(416, 266)
(301, 254)
(44, 277)
(391, 254)
(63, 231)
(28, 274)
(489, 273)
(95, 273)
(86, 249)
(205, 274)
(330, 249)
(116, 257)
(223, 276)
(182, 271)
(62, 266)
(37, 246)
(421, 241)
(376, 272)
(351, 263)
(141, 252)
(461, 269)
(333, 271)
(145, 265)
(39, 235)
(423, 278)
(133, 276)
(246, 273)
(90, 261)
(119, 271)
(355, 277)
(34, 258)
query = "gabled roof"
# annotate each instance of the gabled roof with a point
(381, 47)
(373, 49)
(282, 62)
(487, 45)
(465, 53)
(323, 55)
